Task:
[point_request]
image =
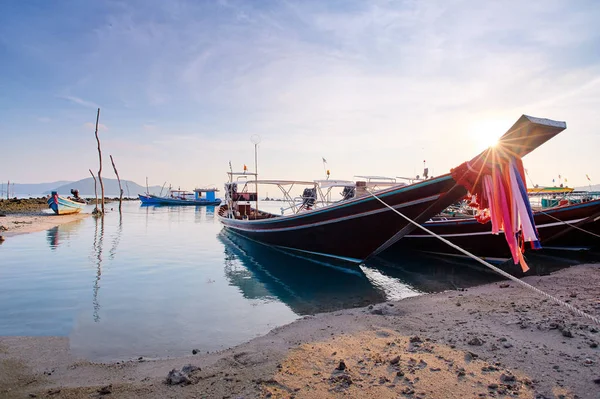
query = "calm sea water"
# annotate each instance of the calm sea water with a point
(161, 281)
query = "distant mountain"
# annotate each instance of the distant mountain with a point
(594, 187)
(17, 189)
(111, 188)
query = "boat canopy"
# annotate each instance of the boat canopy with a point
(371, 178)
(550, 190)
(205, 190)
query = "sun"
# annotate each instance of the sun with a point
(486, 132)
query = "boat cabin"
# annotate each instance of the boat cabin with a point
(206, 194)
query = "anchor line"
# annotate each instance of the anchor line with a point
(570, 225)
(492, 267)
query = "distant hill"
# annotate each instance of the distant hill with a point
(111, 188)
(594, 187)
(33, 189)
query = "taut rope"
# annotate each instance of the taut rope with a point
(494, 268)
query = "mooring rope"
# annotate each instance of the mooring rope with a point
(569, 224)
(494, 268)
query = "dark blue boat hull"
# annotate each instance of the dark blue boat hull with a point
(155, 200)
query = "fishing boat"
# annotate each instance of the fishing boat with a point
(200, 196)
(361, 226)
(65, 206)
(574, 227)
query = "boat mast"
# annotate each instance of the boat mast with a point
(255, 139)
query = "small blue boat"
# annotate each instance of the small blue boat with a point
(200, 196)
(64, 206)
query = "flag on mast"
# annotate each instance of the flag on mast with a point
(324, 160)
(586, 175)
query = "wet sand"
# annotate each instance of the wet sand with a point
(14, 224)
(497, 340)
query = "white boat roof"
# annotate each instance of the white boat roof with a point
(281, 182)
(241, 173)
(335, 183)
(377, 177)
(205, 190)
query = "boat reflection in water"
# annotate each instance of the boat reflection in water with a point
(62, 233)
(306, 286)
(264, 272)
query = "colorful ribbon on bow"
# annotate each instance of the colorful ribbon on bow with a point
(499, 192)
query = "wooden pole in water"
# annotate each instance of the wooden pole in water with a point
(95, 189)
(147, 191)
(8, 190)
(119, 180)
(100, 158)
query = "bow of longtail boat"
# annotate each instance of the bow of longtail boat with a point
(355, 228)
(64, 206)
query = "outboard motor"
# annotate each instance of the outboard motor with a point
(309, 197)
(348, 193)
(230, 190)
(75, 193)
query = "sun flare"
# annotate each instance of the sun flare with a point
(486, 132)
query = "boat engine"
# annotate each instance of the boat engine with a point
(309, 197)
(230, 190)
(348, 193)
(76, 196)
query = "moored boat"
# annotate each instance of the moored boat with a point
(565, 228)
(64, 206)
(356, 228)
(200, 196)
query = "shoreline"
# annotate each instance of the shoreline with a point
(494, 340)
(31, 222)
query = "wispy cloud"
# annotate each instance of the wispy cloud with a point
(357, 78)
(80, 101)
(90, 125)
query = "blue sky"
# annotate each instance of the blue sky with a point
(375, 87)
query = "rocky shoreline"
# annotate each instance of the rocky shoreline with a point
(34, 205)
(497, 340)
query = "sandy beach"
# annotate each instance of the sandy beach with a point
(14, 224)
(496, 340)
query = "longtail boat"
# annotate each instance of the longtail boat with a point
(64, 206)
(200, 196)
(565, 228)
(361, 226)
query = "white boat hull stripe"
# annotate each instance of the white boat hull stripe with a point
(332, 221)
(482, 233)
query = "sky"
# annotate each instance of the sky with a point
(372, 87)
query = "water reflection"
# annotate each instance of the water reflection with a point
(62, 233)
(430, 273)
(98, 247)
(117, 238)
(262, 272)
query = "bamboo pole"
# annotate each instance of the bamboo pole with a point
(119, 180)
(100, 158)
(95, 190)
(8, 190)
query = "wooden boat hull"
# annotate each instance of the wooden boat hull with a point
(155, 200)
(354, 229)
(478, 239)
(64, 206)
